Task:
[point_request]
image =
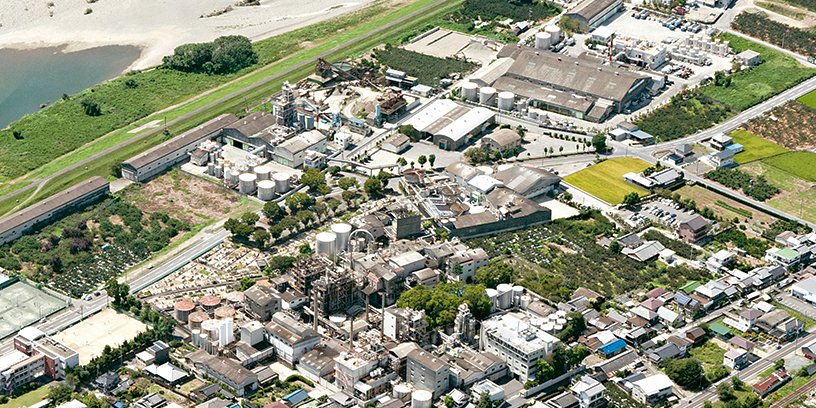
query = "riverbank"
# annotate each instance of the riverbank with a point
(156, 26)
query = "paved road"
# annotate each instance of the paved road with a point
(221, 100)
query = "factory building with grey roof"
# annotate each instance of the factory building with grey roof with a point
(592, 13)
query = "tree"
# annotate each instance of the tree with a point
(261, 236)
(576, 355)
(116, 168)
(246, 283)
(281, 263)
(725, 391)
(305, 249)
(224, 55)
(685, 372)
(347, 182)
(737, 383)
(231, 224)
(716, 373)
(431, 160)
(243, 230)
(476, 155)
(59, 392)
(402, 162)
(544, 371)
(560, 149)
(449, 401)
(91, 108)
(422, 160)
(332, 170)
(575, 326)
(599, 143)
(484, 401)
(521, 131)
(494, 273)
(347, 196)
(497, 155)
(750, 400)
(313, 178)
(779, 364)
(250, 218)
(273, 211)
(615, 247)
(631, 199)
(373, 187)
(410, 131)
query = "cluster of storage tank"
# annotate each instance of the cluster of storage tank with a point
(488, 95)
(507, 297)
(251, 179)
(335, 240)
(548, 38)
(554, 323)
(213, 333)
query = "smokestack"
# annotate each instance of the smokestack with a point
(314, 308)
(382, 323)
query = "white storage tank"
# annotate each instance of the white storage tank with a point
(505, 296)
(542, 40)
(263, 172)
(493, 295)
(561, 314)
(517, 292)
(343, 232)
(196, 337)
(548, 327)
(210, 327)
(401, 392)
(246, 182)
(421, 399)
(325, 242)
(555, 34)
(281, 182)
(486, 95)
(470, 91)
(525, 301)
(506, 101)
(266, 190)
(227, 175)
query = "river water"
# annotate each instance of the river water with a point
(29, 78)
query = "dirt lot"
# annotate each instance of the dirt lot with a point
(792, 125)
(705, 198)
(107, 327)
(184, 197)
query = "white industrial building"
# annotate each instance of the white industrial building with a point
(805, 289)
(293, 151)
(449, 124)
(520, 344)
(291, 339)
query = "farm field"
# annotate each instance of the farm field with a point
(755, 147)
(809, 99)
(759, 25)
(801, 164)
(792, 125)
(605, 180)
(706, 198)
(749, 87)
(796, 192)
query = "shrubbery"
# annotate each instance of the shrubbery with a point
(756, 187)
(683, 117)
(426, 68)
(225, 55)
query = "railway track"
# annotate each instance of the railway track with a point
(794, 395)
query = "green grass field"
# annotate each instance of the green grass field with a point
(755, 147)
(28, 399)
(605, 180)
(800, 164)
(809, 99)
(709, 353)
(777, 73)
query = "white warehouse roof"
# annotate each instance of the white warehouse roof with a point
(424, 119)
(654, 384)
(465, 124)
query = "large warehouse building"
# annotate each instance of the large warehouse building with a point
(17, 224)
(580, 87)
(451, 125)
(176, 150)
(592, 13)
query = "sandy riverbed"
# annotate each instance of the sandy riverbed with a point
(158, 26)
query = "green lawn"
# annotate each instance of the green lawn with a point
(709, 353)
(777, 73)
(755, 147)
(605, 180)
(809, 99)
(28, 399)
(801, 164)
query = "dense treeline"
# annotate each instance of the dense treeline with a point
(224, 55)
(513, 9)
(758, 25)
(442, 302)
(683, 117)
(753, 246)
(426, 68)
(755, 187)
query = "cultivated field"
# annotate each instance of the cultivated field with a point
(792, 125)
(755, 147)
(809, 99)
(107, 327)
(796, 192)
(706, 198)
(22, 305)
(801, 164)
(605, 180)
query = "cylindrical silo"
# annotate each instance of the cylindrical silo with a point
(555, 34)
(486, 95)
(493, 295)
(202, 340)
(506, 100)
(505, 296)
(235, 297)
(227, 174)
(183, 309)
(195, 337)
(263, 172)
(542, 40)
(224, 312)
(281, 182)
(517, 292)
(343, 232)
(210, 303)
(211, 168)
(525, 301)
(561, 314)
(266, 190)
(421, 399)
(211, 328)
(246, 182)
(470, 91)
(219, 170)
(325, 243)
(401, 392)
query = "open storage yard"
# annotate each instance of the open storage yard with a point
(792, 125)
(755, 147)
(605, 180)
(22, 304)
(106, 328)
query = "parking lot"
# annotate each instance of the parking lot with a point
(798, 306)
(662, 211)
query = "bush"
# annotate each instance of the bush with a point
(684, 116)
(225, 55)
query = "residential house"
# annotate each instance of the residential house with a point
(747, 319)
(742, 343)
(735, 359)
(682, 344)
(724, 158)
(652, 390)
(646, 252)
(720, 331)
(664, 353)
(696, 335)
(669, 317)
(612, 348)
(590, 392)
(770, 383)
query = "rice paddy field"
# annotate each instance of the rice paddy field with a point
(801, 164)
(755, 147)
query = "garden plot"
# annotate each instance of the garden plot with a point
(22, 305)
(755, 147)
(706, 198)
(797, 194)
(89, 337)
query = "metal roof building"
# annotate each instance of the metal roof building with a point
(592, 13)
